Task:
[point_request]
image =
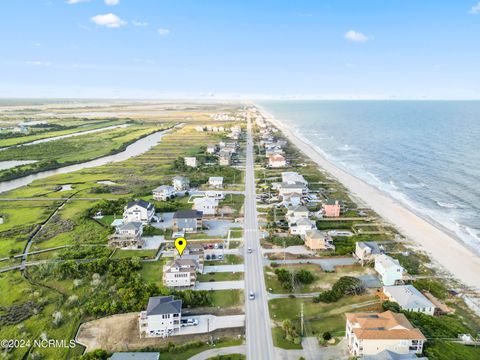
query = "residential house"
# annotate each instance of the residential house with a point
(180, 273)
(190, 161)
(390, 355)
(211, 149)
(301, 226)
(331, 208)
(215, 181)
(128, 235)
(292, 177)
(286, 188)
(372, 333)
(189, 221)
(162, 317)
(365, 251)
(296, 212)
(180, 183)
(163, 193)
(224, 158)
(389, 269)
(277, 161)
(207, 205)
(317, 240)
(138, 355)
(409, 299)
(138, 210)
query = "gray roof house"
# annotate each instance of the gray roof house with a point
(135, 356)
(365, 251)
(162, 317)
(187, 220)
(390, 355)
(159, 305)
(409, 298)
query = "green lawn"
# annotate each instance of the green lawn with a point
(229, 259)
(227, 298)
(153, 271)
(280, 341)
(120, 253)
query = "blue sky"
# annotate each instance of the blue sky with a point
(154, 48)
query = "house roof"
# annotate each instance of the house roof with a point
(408, 297)
(215, 178)
(133, 225)
(187, 214)
(372, 245)
(292, 176)
(205, 201)
(135, 356)
(316, 234)
(164, 188)
(158, 305)
(185, 262)
(298, 208)
(295, 185)
(276, 157)
(304, 221)
(386, 261)
(390, 355)
(141, 203)
(386, 325)
(332, 202)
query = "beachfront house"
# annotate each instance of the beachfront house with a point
(276, 161)
(389, 269)
(317, 240)
(207, 205)
(409, 299)
(296, 212)
(292, 177)
(138, 210)
(215, 181)
(372, 333)
(190, 161)
(189, 221)
(291, 199)
(391, 355)
(128, 235)
(180, 273)
(287, 188)
(332, 208)
(180, 183)
(162, 317)
(301, 226)
(211, 149)
(365, 251)
(163, 193)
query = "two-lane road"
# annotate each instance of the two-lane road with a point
(258, 329)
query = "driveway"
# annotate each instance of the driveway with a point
(220, 285)
(152, 242)
(209, 323)
(371, 281)
(167, 221)
(327, 264)
(224, 268)
(212, 353)
(220, 227)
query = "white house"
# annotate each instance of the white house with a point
(389, 269)
(162, 318)
(190, 161)
(277, 161)
(211, 149)
(163, 193)
(372, 333)
(180, 273)
(287, 188)
(189, 221)
(301, 226)
(207, 205)
(409, 299)
(180, 183)
(292, 177)
(296, 212)
(128, 235)
(215, 181)
(292, 199)
(138, 210)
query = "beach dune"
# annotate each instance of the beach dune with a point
(445, 249)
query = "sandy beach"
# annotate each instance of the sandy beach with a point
(443, 248)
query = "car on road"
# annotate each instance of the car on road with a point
(249, 250)
(189, 322)
(251, 295)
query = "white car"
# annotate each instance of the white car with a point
(251, 295)
(249, 250)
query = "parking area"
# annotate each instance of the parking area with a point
(220, 227)
(220, 285)
(208, 323)
(152, 242)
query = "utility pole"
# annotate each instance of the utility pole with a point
(301, 320)
(284, 254)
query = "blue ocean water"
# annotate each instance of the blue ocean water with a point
(425, 154)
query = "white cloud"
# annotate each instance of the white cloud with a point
(163, 32)
(112, 2)
(139, 23)
(475, 10)
(71, 2)
(109, 20)
(356, 36)
(39, 63)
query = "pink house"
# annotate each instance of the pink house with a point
(276, 161)
(331, 208)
